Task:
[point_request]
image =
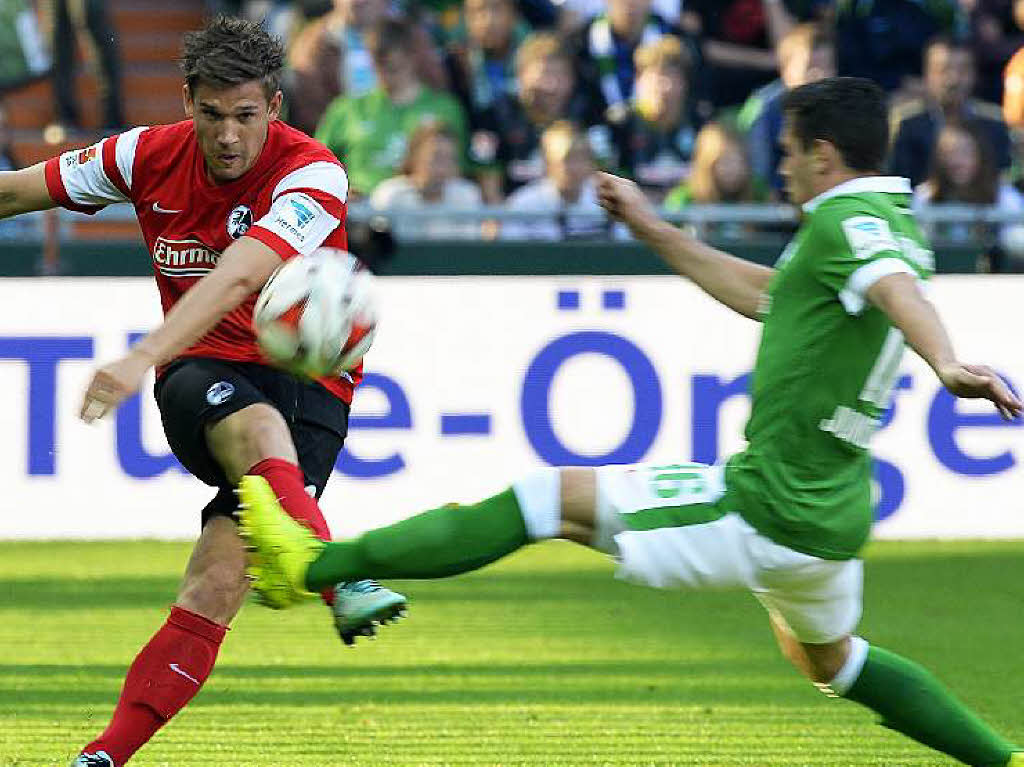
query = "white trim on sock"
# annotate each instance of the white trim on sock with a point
(540, 500)
(850, 671)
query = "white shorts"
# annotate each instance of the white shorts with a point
(664, 525)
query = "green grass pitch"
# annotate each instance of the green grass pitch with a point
(543, 659)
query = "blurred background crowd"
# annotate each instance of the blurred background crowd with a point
(461, 105)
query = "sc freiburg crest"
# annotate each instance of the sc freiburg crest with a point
(239, 221)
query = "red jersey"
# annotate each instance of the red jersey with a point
(293, 199)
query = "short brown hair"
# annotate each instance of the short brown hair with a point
(540, 45)
(666, 51)
(427, 131)
(229, 51)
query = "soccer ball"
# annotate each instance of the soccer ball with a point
(316, 316)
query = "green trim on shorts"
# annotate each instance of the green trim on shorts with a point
(672, 516)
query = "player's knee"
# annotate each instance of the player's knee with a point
(216, 592)
(245, 438)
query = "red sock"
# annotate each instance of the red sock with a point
(289, 485)
(164, 676)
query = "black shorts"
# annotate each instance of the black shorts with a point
(196, 392)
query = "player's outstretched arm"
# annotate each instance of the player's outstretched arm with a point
(243, 269)
(24, 190)
(733, 281)
(899, 296)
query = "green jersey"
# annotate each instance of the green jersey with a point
(370, 133)
(825, 370)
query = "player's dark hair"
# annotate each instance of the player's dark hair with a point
(230, 51)
(850, 113)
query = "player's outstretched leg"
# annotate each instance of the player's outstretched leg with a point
(906, 696)
(287, 563)
(284, 549)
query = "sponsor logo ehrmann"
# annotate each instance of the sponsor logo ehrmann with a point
(183, 258)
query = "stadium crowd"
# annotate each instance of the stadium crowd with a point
(516, 103)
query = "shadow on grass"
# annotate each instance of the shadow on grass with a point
(87, 593)
(556, 683)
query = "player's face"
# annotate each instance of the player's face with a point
(231, 125)
(797, 167)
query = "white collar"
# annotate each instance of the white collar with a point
(883, 184)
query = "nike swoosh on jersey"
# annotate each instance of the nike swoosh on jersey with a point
(177, 670)
(158, 209)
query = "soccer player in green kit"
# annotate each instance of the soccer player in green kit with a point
(787, 517)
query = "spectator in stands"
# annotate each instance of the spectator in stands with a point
(805, 54)
(721, 173)
(12, 228)
(739, 44)
(604, 51)
(1013, 77)
(505, 150)
(330, 57)
(563, 205)
(949, 81)
(370, 133)
(882, 41)
(578, 13)
(995, 37)
(430, 176)
(481, 67)
(91, 17)
(963, 171)
(654, 144)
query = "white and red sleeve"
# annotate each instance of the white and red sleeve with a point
(308, 206)
(88, 179)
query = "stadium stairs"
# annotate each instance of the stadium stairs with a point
(150, 41)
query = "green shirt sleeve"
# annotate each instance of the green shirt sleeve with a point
(855, 247)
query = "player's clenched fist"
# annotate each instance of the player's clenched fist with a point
(624, 200)
(111, 385)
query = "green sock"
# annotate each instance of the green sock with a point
(912, 701)
(435, 544)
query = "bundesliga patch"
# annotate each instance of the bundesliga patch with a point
(81, 157)
(869, 235)
(300, 221)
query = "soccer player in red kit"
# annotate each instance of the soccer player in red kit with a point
(222, 199)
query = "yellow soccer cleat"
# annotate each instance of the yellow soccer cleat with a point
(280, 549)
(1016, 759)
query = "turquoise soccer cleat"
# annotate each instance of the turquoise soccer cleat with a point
(99, 759)
(360, 606)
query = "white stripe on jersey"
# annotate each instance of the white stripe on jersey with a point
(84, 181)
(300, 221)
(325, 176)
(854, 294)
(124, 153)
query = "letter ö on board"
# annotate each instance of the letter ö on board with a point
(535, 405)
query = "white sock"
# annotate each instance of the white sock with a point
(540, 499)
(850, 671)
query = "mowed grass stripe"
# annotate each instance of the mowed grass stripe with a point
(543, 659)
